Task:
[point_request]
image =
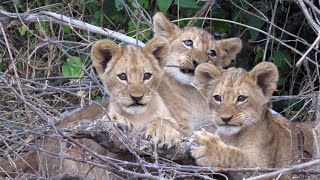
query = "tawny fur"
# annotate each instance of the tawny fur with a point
(248, 134)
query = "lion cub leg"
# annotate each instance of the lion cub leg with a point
(209, 150)
(162, 132)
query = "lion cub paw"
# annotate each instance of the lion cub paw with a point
(203, 146)
(121, 122)
(164, 135)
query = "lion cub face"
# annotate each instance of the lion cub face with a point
(192, 46)
(130, 75)
(237, 98)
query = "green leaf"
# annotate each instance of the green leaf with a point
(221, 27)
(164, 5)
(119, 5)
(281, 58)
(97, 98)
(22, 30)
(132, 30)
(259, 54)
(66, 29)
(257, 23)
(44, 26)
(144, 3)
(1, 67)
(96, 95)
(70, 68)
(187, 3)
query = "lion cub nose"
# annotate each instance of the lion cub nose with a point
(226, 118)
(136, 98)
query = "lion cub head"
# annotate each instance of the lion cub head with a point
(237, 99)
(131, 74)
(192, 46)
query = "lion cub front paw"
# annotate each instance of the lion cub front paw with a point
(121, 122)
(203, 146)
(164, 135)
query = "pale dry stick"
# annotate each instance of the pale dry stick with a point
(314, 8)
(133, 16)
(315, 26)
(310, 48)
(316, 130)
(269, 31)
(286, 170)
(58, 18)
(256, 29)
(86, 26)
(47, 43)
(56, 89)
(291, 97)
(253, 7)
(300, 110)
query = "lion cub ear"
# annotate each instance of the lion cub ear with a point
(101, 54)
(163, 27)
(159, 48)
(205, 73)
(228, 50)
(266, 76)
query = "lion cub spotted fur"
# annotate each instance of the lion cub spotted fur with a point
(131, 76)
(248, 134)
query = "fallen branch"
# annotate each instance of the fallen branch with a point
(6, 17)
(109, 136)
(286, 170)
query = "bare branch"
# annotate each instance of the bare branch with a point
(108, 136)
(287, 170)
(6, 17)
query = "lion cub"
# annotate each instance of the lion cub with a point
(248, 134)
(131, 76)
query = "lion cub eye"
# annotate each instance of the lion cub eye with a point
(188, 43)
(122, 77)
(217, 98)
(241, 98)
(212, 53)
(147, 76)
